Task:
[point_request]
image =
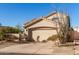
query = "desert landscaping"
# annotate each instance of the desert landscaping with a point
(42, 48)
(51, 34)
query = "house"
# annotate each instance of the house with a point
(42, 28)
(76, 28)
(76, 32)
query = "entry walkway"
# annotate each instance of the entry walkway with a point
(40, 48)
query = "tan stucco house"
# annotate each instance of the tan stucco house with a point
(44, 27)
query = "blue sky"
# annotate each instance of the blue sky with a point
(19, 13)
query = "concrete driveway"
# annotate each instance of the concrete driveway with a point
(47, 48)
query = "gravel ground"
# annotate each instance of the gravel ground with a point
(6, 44)
(47, 48)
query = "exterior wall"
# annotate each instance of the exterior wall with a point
(76, 35)
(61, 17)
(48, 22)
(43, 34)
(44, 23)
(76, 29)
(12, 36)
(17, 35)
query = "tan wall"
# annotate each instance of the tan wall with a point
(44, 23)
(16, 35)
(43, 34)
(76, 35)
(61, 16)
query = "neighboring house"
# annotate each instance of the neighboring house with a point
(42, 28)
(76, 28)
(76, 32)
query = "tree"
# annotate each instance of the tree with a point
(63, 28)
(19, 29)
(1, 35)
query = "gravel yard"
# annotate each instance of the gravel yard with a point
(7, 44)
(47, 48)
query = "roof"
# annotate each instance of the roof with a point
(32, 22)
(35, 20)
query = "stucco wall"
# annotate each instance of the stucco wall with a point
(44, 23)
(76, 35)
(61, 17)
(43, 34)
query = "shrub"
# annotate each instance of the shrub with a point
(44, 41)
(1, 35)
(53, 37)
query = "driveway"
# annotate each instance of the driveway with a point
(47, 48)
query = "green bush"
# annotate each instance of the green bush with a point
(53, 37)
(1, 35)
(4, 30)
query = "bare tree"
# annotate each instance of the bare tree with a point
(62, 28)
